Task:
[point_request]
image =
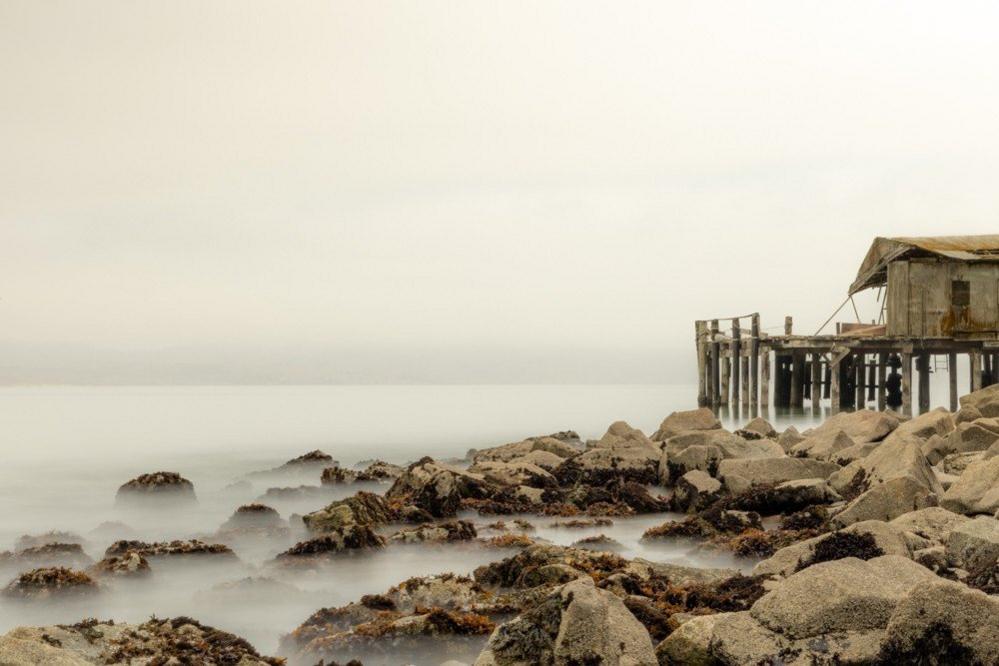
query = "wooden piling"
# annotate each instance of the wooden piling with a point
(872, 381)
(765, 380)
(715, 365)
(882, 389)
(754, 362)
(726, 377)
(859, 401)
(816, 380)
(736, 348)
(702, 362)
(834, 397)
(797, 380)
(744, 361)
(906, 383)
(788, 325)
(952, 371)
(826, 379)
(975, 357)
(923, 366)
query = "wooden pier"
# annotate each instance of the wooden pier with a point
(852, 370)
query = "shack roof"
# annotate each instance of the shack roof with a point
(874, 270)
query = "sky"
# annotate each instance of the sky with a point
(464, 192)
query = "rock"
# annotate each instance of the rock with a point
(823, 445)
(337, 475)
(730, 445)
(739, 475)
(189, 547)
(455, 530)
(886, 501)
(678, 574)
(711, 522)
(957, 463)
(966, 438)
(738, 639)
(862, 425)
(438, 488)
(27, 541)
(985, 401)
(576, 624)
(894, 458)
(253, 515)
(520, 570)
(975, 543)
(50, 583)
(762, 427)
(516, 472)
(935, 422)
(685, 421)
(312, 459)
(334, 542)
(157, 486)
(599, 543)
(600, 465)
(379, 470)
(129, 565)
(886, 539)
(702, 457)
(966, 414)
(362, 508)
(976, 491)
(49, 555)
(560, 447)
(689, 645)
(695, 491)
(941, 622)
(933, 523)
(789, 438)
(855, 452)
(159, 641)
(842, 595)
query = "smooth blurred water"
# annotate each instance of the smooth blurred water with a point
(67, 449)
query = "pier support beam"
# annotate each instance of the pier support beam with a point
(952, 371)
(906, 383)
(736, 348)
(754, 363)
(816, 380)
(765, 380)
(872, 381)
(882, 390)
(726, 378)
(858, 379)
(744, 374)
(700, 333)
(975, 358)
(834, 397)
(715, 365)
(797, 380)
(923, 366)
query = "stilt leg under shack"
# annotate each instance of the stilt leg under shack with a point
(858, 378)
(816, 380)
(744, 362)
(882, 390)
(834, 378)
(765, 380)
(715, 365)
(952, 371)
(736, 349)
(976, 370)
(754, 364)
(923, 365)
(797, 380)
(906, 383)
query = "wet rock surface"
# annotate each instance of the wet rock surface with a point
(148, 488)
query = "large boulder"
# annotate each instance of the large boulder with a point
(965, 438)
(974, 544)
(622, 453)
(935, 422)
(689, 645)
(932, 524)
(869, 538)
(151, 489)
(702, 457)
(823, 445)
(942, 622)
(985, 401)
(438, 488)
(841, 595)
(740, 474)
(789, 438)
(862, 425)
(563, 447)
(901, 456)
(976, 490)
(361, 509)
(694, 419)
(50, 583)
(576, 624)
(886, 501)
(694, 491)
(514, 472)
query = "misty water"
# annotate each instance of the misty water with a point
(67, 450)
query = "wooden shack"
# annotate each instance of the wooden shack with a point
(939, 301)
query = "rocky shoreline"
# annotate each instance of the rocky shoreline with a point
(869, 539)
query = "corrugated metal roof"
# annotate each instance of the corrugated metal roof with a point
(873, 271)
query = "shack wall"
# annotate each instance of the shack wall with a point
(923, 299)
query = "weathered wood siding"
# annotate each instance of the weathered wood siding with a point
(920, 299)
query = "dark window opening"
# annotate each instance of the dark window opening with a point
(960, 293)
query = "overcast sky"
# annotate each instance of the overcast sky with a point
(464, 191)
